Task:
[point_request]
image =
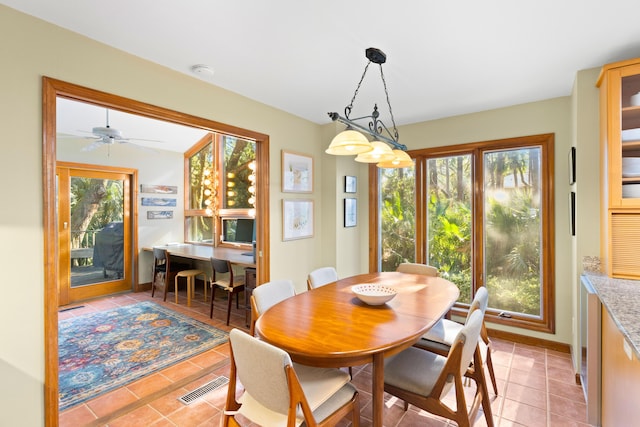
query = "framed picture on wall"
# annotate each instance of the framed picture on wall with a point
(297, 172)
(572, 165)
(297, 219)
(572, 213)
(350, 212)
(350, 184)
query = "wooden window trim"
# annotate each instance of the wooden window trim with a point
(546, 322)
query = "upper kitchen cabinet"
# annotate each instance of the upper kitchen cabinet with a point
(619, 85)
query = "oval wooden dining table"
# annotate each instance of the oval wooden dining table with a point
(330, 327)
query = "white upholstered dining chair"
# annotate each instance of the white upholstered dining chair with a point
(423, 378)
(416, 268)
(321, 276)
(279, 393)
(439, 338)
(267, 295)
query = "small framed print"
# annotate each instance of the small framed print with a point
(297, 219)
(159, 214)
(350, 212)
(297, 173)
(350, 184)
(572, 213)
(572, 165)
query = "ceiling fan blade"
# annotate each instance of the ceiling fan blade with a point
(94, 145)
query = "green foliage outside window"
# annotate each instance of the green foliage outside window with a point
(511, 227)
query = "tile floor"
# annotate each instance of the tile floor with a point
(536, 387)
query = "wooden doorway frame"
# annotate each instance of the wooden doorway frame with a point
(52, 89)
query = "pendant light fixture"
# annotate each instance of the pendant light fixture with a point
(352, 141)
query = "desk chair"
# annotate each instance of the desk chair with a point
(440, 337)
(164, 268)
(415, 268)
(266, 296)
(233, 285)
(423, 378)
(321, 276)
(280, 393)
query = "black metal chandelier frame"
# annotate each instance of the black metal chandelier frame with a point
(376, 128)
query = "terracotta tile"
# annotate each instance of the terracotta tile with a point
(148, 385)
(422, 418)
(567, 376)
(192, 415)
(501, 358)
(556, 420)
(528, 395)
(524, 414)
(164, 422)
(180, 370)
(110, 402)
(207, 358)
(569, 391)
(141, 417)
(568, 408)
(528, 378)
(169, 403)
(76, 417)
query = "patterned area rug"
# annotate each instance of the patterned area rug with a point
(106, 350)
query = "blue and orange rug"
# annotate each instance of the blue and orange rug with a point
(106, 350)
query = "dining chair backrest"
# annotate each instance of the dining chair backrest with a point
(424, 379)
(416, 268)
(278, 394)
(321, 276)
(159, 254)
(260, 369)
(220, 266)
(468, 338)
(267, 295)
(270, 293)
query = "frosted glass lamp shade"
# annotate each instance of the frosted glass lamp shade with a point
(401, 160)
(380, 153)
(349, 143)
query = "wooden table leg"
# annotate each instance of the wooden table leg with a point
(377, 389)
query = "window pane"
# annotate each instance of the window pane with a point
(239, 154)
(397, 217)
(513, 234)
(449, 220)
(200, 164)
(199, 229)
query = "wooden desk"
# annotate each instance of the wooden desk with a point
(330, 327)
(204, 253)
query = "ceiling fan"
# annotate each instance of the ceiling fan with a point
(106, 135)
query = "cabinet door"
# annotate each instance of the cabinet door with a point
(623, 136)
(620, 377)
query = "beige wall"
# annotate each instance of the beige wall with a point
(31, 49)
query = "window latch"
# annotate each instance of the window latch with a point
(505, 315)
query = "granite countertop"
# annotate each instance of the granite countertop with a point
(621, 298)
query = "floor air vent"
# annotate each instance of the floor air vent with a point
(201, 391)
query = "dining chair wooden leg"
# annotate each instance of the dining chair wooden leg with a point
(213, 297)
(229, 299)
(492, 374)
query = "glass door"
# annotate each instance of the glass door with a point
(93, 233)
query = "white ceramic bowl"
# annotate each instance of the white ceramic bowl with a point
(373, 294)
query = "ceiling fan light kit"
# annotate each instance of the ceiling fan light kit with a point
(352, 141)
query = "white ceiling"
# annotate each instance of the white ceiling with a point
(444, 58)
